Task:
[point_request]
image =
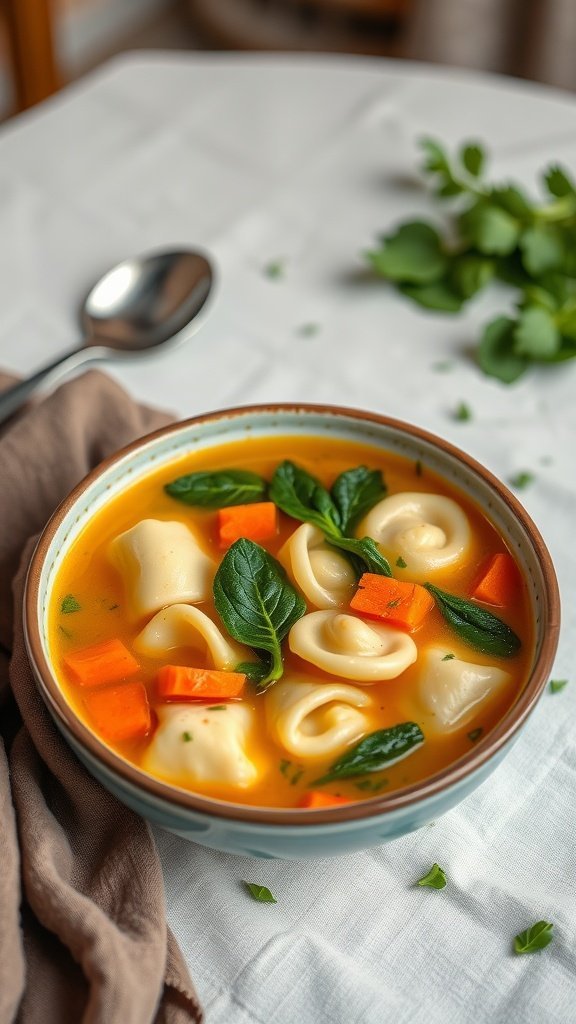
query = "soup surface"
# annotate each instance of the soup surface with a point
(381, 682)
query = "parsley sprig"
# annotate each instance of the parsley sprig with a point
(495, 232)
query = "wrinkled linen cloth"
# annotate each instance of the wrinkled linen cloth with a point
(83, 934)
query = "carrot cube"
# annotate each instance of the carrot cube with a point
(121, 712)
(395, 602)
(499, 581)
(108, 662)
(178, 682)
(255, 522)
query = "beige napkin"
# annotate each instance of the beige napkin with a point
(83, 935)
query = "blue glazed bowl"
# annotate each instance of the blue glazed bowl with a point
(269, 831)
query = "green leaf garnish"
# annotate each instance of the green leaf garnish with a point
(522, 480)
(401, 563)
(301, 496)
(274, 269)
(462, 412)
(448, 657)
(377, 750)
(218, 490)
(434, 879)
(475, 734)
(256, 602)
(260, 893)
(355, 492)
(537, 937)
(474, 625)
(70, 604)
(186, 737)
(557, 685)
(366, 550)
(411, 255)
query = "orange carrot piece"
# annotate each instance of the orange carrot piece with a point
(178, 682)
(499, 581)
(108, 662)
(395, 602)
(121, 712)
(315, 799)
(255, 522)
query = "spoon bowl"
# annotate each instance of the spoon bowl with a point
(140, 304)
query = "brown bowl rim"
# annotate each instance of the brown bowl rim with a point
(182, 799)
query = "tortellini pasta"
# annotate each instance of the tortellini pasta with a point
(162, 563)
(193, 744)
(429, 531)
(452, 689)
(323, 575)
(344, 645)
(316, 719)
(182, 625)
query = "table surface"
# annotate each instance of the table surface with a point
(304, 161)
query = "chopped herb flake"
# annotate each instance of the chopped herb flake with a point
(274, 269)
(418, 467)
(308, 330)
(284, 766)
(557, 685)
(401, 563)
(371, 787)
(393, 604)
(217, 707)
(522, 479)
(297, 776)
(70, 604)
(448, 657)
(534, 938)
(462, 412)
(113, 607)
(475, 735)
(186, 737)
(66, 632)
(435, 879)
(443, 366)
(259, 892)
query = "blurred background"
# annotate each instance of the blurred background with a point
(46, 43)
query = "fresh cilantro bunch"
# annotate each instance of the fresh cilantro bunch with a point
(494, 232)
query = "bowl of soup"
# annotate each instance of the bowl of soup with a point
(291, 631)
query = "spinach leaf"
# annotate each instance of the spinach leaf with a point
(302, 496)
(219, 489)
(375, 751)
(366, 550)
(476, 626)
(355, 492)
(256, 602)
(255, 671)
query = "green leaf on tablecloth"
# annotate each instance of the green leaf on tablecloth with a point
(434, 879)
(537, 937)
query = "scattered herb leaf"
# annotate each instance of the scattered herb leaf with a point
(448, 657)
(377, 750)
(557, 685)
(401, 563)
(308, 330)
(256, 602)
(476, 626)
(186, 737)
(522, 479)
(274, 269)
(65, 632)
(462, 412)
(69, 605)
(443, 366)
(434, 879)
(534, 938)
(219, 489)
(260, 893)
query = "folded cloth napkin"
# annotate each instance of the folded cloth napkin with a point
(83, 934)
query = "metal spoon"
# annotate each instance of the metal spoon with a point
(138, 305)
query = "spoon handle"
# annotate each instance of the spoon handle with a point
(14, 397)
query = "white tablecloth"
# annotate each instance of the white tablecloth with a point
(304, 160)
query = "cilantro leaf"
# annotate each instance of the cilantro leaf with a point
(439, 296)
(536, 334)
(471, 273)
(542, 249)
(490, 229)
(537, 937)
(412, 255)
(434, 879)
(260, 893)
(559, 183)
(496, 353)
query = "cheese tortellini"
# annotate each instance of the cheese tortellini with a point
(316, 719)
(429, 531)
(452, 689)
(344, 645)
(182, 625)
(323, 575)
(162, 563)
(194, 744)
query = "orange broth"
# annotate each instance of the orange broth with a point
(87, 574)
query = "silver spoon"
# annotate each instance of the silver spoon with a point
(138, 305)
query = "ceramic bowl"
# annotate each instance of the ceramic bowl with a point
(264, 831)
